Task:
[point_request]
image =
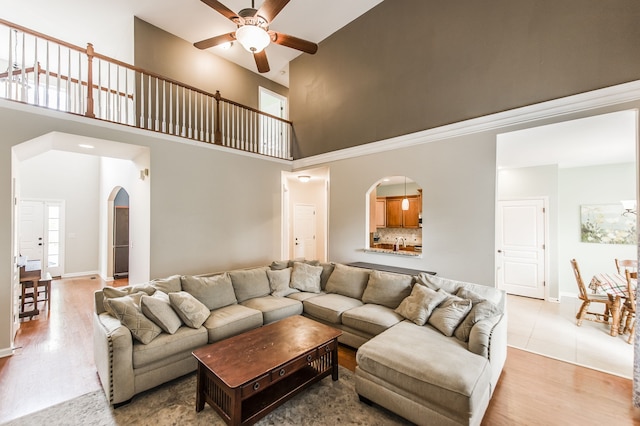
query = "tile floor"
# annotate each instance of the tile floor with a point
(549, 328)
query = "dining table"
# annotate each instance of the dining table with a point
(614, 285)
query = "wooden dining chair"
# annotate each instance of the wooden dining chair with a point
(627, 265)
(628, 316)
(588, 298)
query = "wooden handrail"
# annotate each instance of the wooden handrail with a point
(44, 36)
(234, 125)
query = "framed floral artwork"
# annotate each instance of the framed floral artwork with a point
(606, 224)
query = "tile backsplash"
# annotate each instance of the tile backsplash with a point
(412, 236)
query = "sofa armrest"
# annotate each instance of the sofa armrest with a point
(489, 339)
(113, 356)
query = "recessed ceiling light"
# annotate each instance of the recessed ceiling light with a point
(86, 146)
(226, 46)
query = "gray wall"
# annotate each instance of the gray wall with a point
(170, 56)
(412, 65)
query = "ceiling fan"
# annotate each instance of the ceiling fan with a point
(253, 31)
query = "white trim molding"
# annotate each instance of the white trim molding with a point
(608, 96)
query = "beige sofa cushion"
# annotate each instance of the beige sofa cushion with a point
(418, 306)
(250, 283)
(171, 284)
(127, 310)
(158, 309)
(348, 281)
(387, 289)
(231, 320)
(303, 295)
(214, 292)
(185, 340)
(329, 307)
(305, 277)
(402, 355)
(371, 319)
(274, 308)
(190, 310)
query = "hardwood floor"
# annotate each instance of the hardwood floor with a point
(54, 363)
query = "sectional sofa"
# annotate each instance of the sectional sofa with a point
(429, 349)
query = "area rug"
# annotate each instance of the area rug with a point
(326, 402)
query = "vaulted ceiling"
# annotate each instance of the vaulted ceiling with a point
(191, 20)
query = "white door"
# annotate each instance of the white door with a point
(41, 230)
(32, 230)
(520, 244)
(304, 231)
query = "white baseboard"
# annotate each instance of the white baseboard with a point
(80, 274)
(6, 352)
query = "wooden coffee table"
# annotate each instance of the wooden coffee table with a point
(247, 376)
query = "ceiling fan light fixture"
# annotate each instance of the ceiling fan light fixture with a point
(253, 38)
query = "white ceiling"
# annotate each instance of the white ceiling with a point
(603, 139)
(109, 24)
(193, 21)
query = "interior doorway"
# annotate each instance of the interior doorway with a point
(41, 231)
(121, 235)
(304, 231)
(582, 162)
(305, 211)
(520, 240)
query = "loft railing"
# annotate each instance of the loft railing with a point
(43, 71)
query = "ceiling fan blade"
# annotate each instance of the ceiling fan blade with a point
(215, 41)
(261, 61)
(223, 10)
(270, 9)
(293, 42)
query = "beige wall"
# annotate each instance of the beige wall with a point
(412, 65)
(458, 178)
(170, 56)
(211, 209)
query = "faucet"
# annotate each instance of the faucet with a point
(396, 246)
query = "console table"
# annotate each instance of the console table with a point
(386, 268)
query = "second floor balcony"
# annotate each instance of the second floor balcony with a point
(46, 72)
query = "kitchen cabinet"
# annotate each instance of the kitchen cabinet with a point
(398, 218)
(381, 212)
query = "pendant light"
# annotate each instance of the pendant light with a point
(405, 200)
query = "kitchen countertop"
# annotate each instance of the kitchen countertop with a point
(388, 249)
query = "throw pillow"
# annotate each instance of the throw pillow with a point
(387, 289)
(450, 314)
(250, 283)
(191, 311)
(327, 270)
(214, 292)
(479, 311)
(279, 282)
(170, 284)
(130, 315)
(305, 277)
(417, 307)
(136, 291)
(435, 283)
(158, 309)
(465, 293)
(348, 281)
